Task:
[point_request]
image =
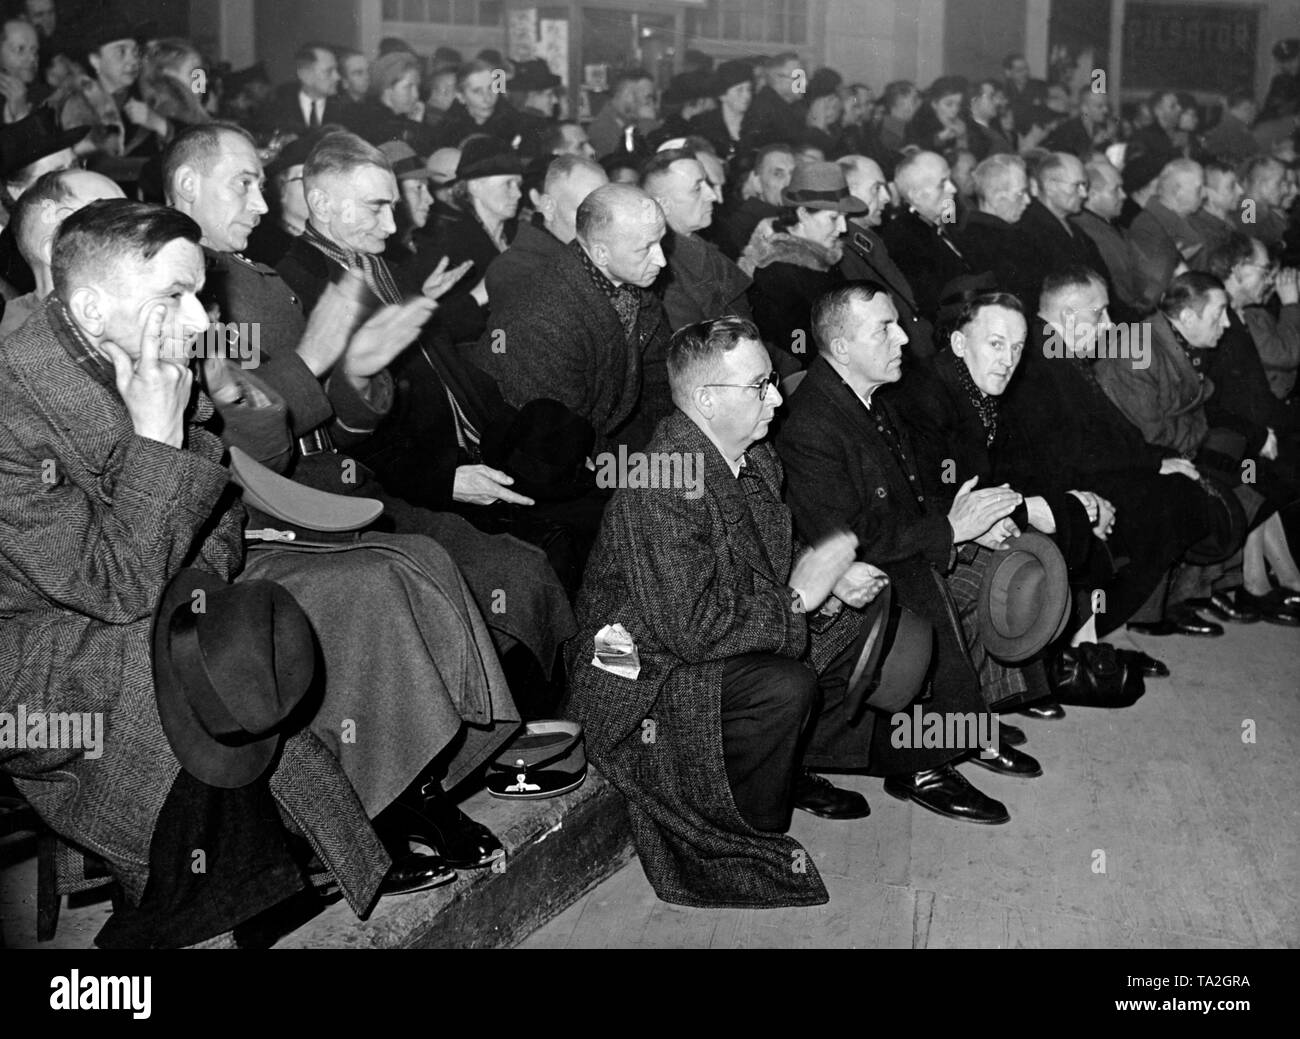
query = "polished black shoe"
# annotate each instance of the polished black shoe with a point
(1008, 762)
(945, 791)
(1185, 621)
(1009, 734)
(1221, 606)
(1149, 666)
(416, 871)
(816, 794)
(1046, 709)
(1271, 607)
(434, 821)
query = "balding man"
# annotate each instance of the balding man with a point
(866, 258)
(1220, 202)
(700, 282)
(990, 239)
(587, 331)
(569, 180)
(1161, 238)
(1085, 134)
(1062, 188)
(1098, 220)
(920, 239)
(36, 220)
(1263, 183)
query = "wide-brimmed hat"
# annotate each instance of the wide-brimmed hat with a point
(297, 504)
(1024, 601)
(486, 156)
(893, 651)
(730, 74)
(231, 662)
(544, 446)
(534, 75)
(32, 138)
(821, 185)
(546, 759)
(1140, 170)
(406, 164)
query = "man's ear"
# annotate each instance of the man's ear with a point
(185, 184)
(957, 342)
(94, 63)
(318, 202)
(542, 202)
(840, 348)
(86, 309)
(705, 402)
(599, 253)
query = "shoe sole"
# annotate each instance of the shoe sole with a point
(948, 815)
(827, 815)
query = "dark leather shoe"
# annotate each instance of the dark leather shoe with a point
(1009, 734)
(1271, 607)
(1008, 762)
(945, 791)
(416, 872)
(1046, 709)
(1184, 621)
(438, 824)
(1221, 606)
(1150, 666)
(816, 794)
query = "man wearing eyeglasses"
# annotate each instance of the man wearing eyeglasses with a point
(743, 645)
(1045, 223)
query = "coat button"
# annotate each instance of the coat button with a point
(880, 492)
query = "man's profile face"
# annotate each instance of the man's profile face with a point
(415, 193)
(321, 79)
(1223, 191)
(1189, 188)
(990, 346)
(1255, 276)
(1093, 106)
(688, 199)
(360, 204)
(42, 15)
(632, 246)
(477, 95)
(1167, 111)
(172, 280)
(356, 75)
(781, 79)
(228, 202)
(874, 340)
(1013, 200)
(567, 196)
(1203, 331)
(933, 189)
(574, 142)
(1065, 188)
(1266, 188)
(18, 52)
(866, 181)
(1106, 194)
(740, 416)
(773, 176)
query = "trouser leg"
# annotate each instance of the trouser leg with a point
(766, 699)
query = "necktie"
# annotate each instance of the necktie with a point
(315, 113)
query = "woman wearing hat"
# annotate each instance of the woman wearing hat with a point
(733, 86)
(486, 194)
(937, 125)
(794, 258)
(412, 210)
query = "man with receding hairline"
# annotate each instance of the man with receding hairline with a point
(920, 238)
(587, 331)
(1097, 219)
(1160, 236)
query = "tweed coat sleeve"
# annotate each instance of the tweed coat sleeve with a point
(684, 586)
(1278, 343)
(107, 552)
(1138, 394)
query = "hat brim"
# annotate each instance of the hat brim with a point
(850, 204)
(894, 648)
(1013, 648)
(219, 765)
(303, 506)
(548, 755)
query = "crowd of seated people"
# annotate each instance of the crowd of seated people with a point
(900, 330)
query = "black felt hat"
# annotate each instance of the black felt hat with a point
(544, 447)
(486, 156)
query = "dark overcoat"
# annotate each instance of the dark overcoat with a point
(693, 585)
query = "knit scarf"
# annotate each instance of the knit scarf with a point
(625, 299)
(375, 272)
(986, 405)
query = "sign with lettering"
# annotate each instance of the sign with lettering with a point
(1209, 47)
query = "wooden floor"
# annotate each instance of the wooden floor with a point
(1200, 833)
